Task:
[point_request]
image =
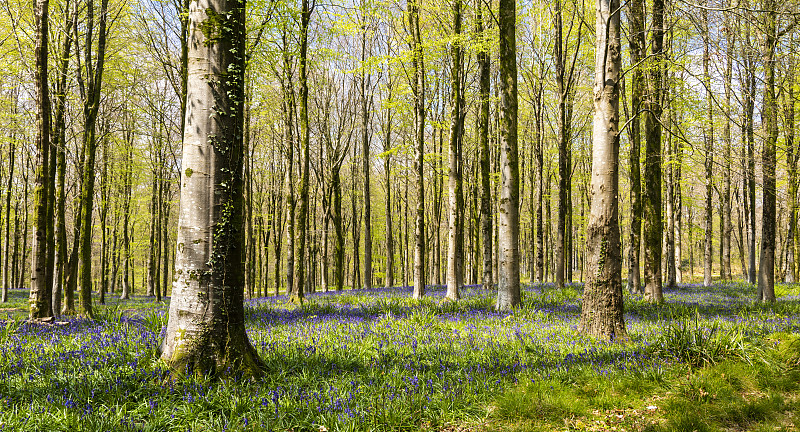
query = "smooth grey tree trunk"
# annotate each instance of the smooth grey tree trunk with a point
(508, 288)
(205, 332)
(708, 139)
(602, 308)
(418, 74)
(456, 198)
(365, 159)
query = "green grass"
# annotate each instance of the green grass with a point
(731, 395)
(708, 359)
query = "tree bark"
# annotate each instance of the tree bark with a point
(40, 294)
(769, 118)
(708, 138)
(91, 108)
(727, 225)
(456, 204)
(418, 74)
(298, 292)
(638, 52)
(205, 331)
(483, 137)
(508, 290)
(652, 170)
(602, 308)
(365, 155)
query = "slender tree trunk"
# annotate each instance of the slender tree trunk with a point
(365, 156)
(638, 49)
(91, 108)
(766, 270)
(749, 81)
(652, 196)
(387, 168)
(152, 261)
(791, 167)
(508, 290)
(678, 208)
(298, 292)
(60, 248)
(727, 226)
(40, 294)
(564, 200)
(708, 138)
(483, 137)
(418, 67)
(669, 257)
(9, 185)
(289, 103)
(455, 222)
(127, 174)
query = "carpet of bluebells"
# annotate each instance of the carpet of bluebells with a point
(358, 360)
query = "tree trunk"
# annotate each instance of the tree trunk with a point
(387, 168)
(766, 269)
(602, 308)
(365, 154)
(727, 226)
(298, 292)
(456, 201)
(60, 248)
(91, 108)
(508, 290)
(638, 52)
(40, 294)
(418, 67)
(289, 106)
(11, 159)
(483, 138)
(708, 138)
(652, 171)
(791, 162)
(564, 174)
(205, 331)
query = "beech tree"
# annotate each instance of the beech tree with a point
(418, 88)
(205, 332)
(508, 289)
(602, 308)
(40, 295)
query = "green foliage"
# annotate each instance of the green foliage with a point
(698, 344)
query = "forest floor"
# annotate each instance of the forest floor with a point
(708, 359)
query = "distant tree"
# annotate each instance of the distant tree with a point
(708, 140)
(638, 50)
(418, 88)
(301, 223)
(769, 119)
(653, 231)
(483, 137)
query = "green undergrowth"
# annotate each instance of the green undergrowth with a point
(753, 392)
(378, 360)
